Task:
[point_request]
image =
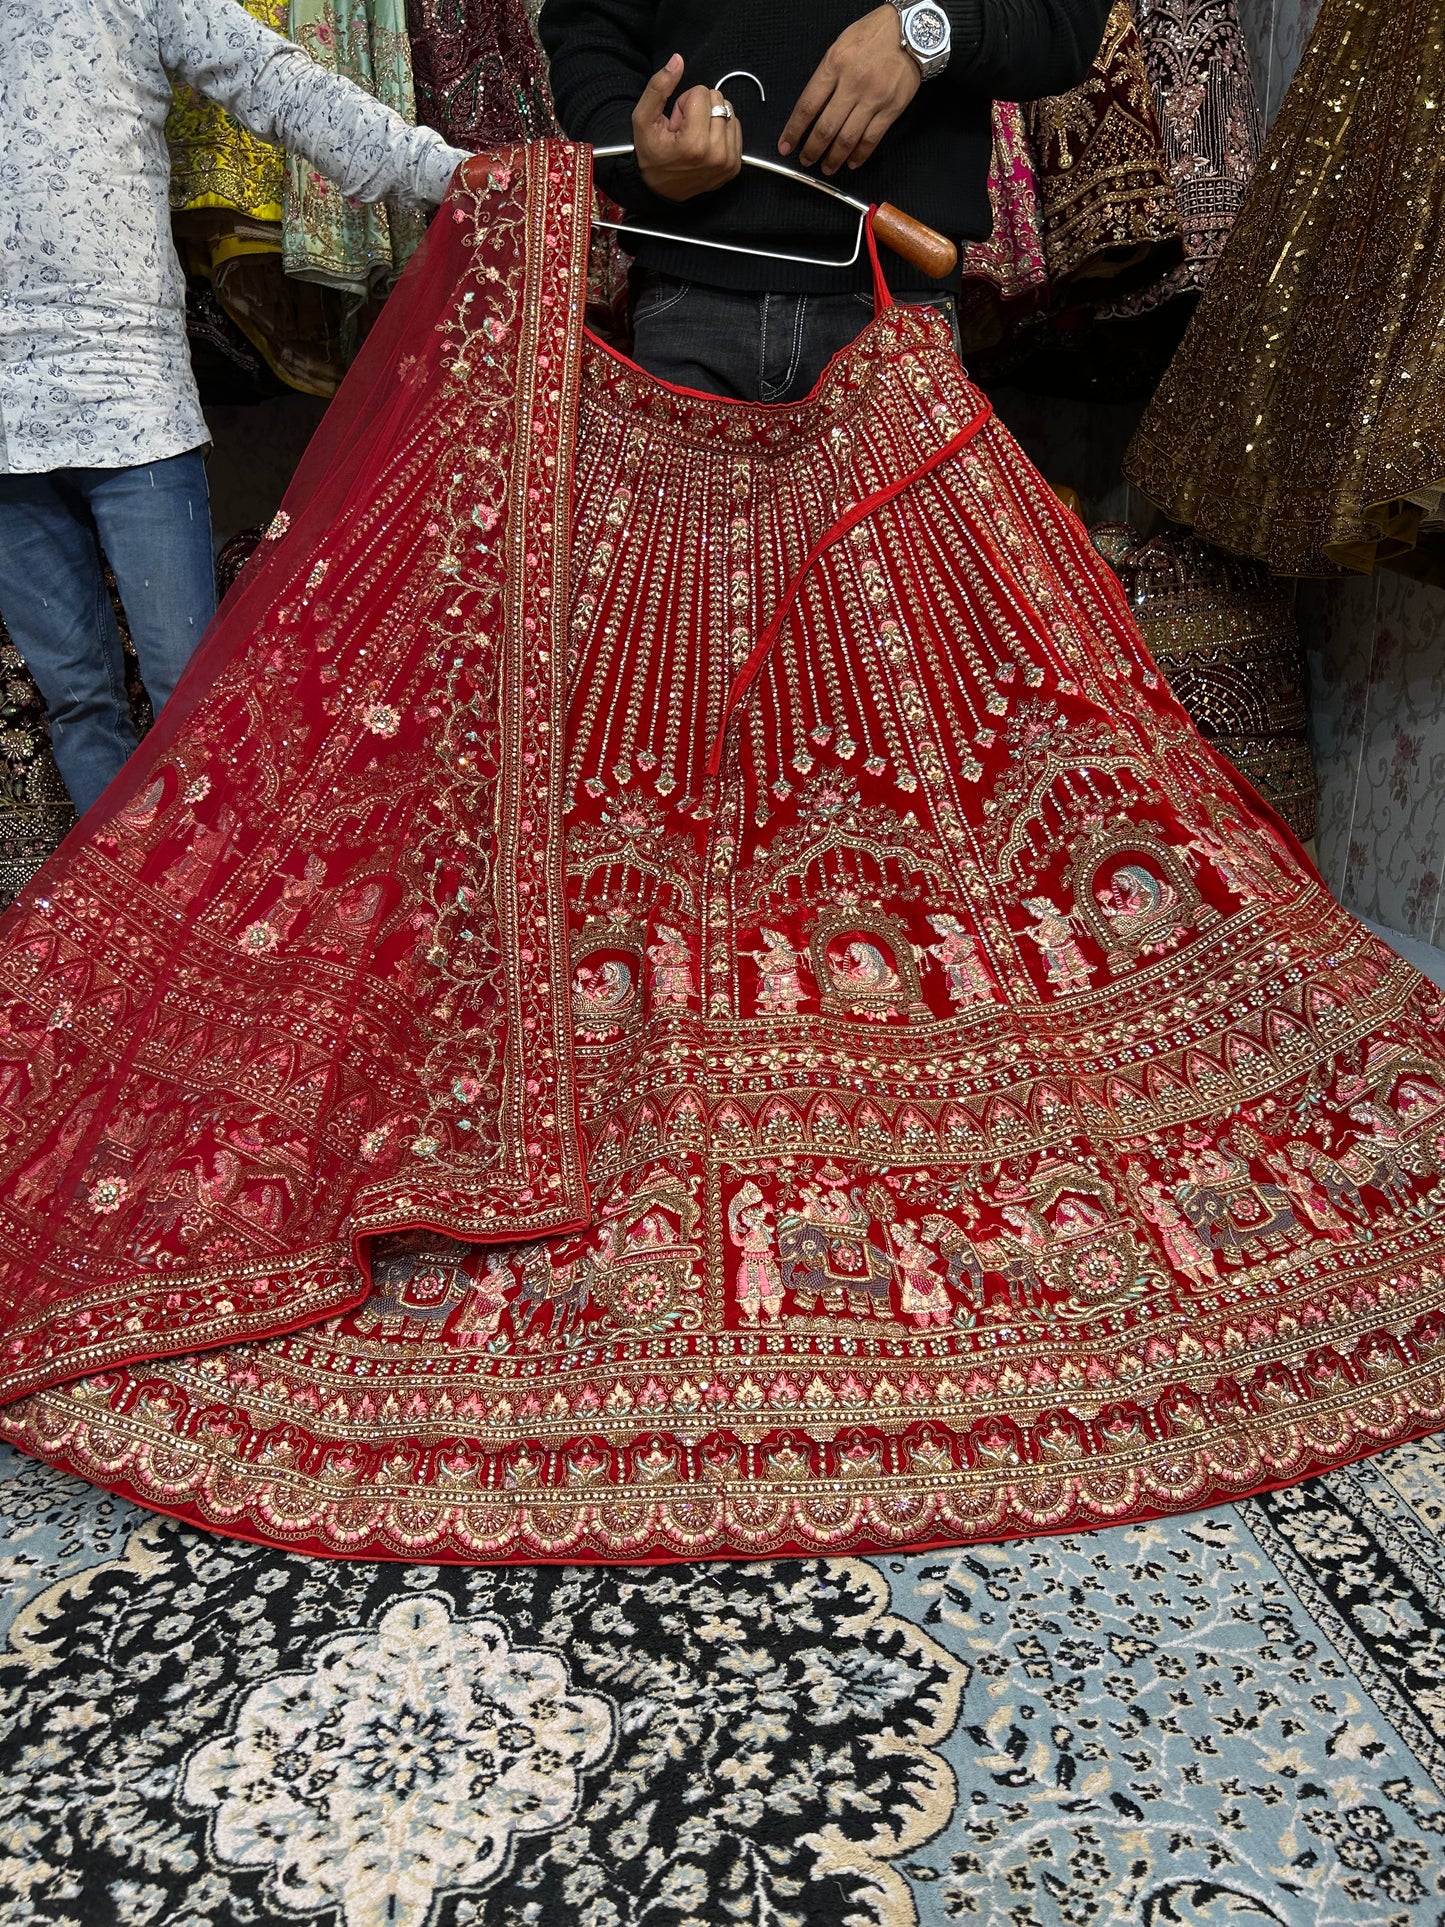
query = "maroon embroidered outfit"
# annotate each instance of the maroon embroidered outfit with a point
(444, 1119)
(481, 79)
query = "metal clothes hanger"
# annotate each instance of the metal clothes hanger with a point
(923, 247)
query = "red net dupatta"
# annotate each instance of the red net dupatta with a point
(300, 977)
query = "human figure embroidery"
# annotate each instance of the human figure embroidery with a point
(604, 987)
(671, 959)
(863, 966)
(959, 955)
(1136, 902)
(923, 1294)
(759, 1280)
(779, 964)
(531, 1063)
(1053, 932)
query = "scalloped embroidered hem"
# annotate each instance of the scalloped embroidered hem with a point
(446, 1520)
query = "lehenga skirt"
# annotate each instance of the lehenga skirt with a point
(674, 984)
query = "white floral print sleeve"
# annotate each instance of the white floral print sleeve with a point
(94, 367)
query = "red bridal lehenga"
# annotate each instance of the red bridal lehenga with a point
(444, 1121)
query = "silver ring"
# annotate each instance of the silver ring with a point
(722, 110)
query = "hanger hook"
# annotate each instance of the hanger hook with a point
(741, 73)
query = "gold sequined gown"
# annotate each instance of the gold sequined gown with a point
(1303, 419)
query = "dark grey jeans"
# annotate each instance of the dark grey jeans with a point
(750, 347)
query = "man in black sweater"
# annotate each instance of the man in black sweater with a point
(897, 96)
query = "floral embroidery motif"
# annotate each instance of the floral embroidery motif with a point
(381, 719)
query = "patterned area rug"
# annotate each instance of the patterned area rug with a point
(1235, 1716)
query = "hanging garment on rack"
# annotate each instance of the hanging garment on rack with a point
(1199, 68)
(229, 369)
(35, 807)
(227, 193)
(326, 238)
(300, 330)
(232, 557)
(1011, 262)
(674, 984)
(1303, 419)
(1108, 202)
(481, 79)
(1226, 638)
(217, 163)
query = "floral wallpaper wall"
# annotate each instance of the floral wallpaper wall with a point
(1376, 654)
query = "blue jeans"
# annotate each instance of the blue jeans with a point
(750, 347)
(153, 524)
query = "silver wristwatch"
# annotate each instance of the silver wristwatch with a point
(927, 34)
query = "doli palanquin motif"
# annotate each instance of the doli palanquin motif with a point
(442, 1121)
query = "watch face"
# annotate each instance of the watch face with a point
(927, 29)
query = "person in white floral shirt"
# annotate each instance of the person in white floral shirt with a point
(101, 433)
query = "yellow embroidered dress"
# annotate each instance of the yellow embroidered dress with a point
(227, 202)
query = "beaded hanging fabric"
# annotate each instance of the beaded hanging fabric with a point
(35, 807)
(326, 238)
(1224, 633)
(481, 81)
(480, 75)
(1198, 64)
(227, 203)
(674, 983)
(1011, 262)
(1006, 275)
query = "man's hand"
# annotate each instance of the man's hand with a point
(863, 83)
(686, 152)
